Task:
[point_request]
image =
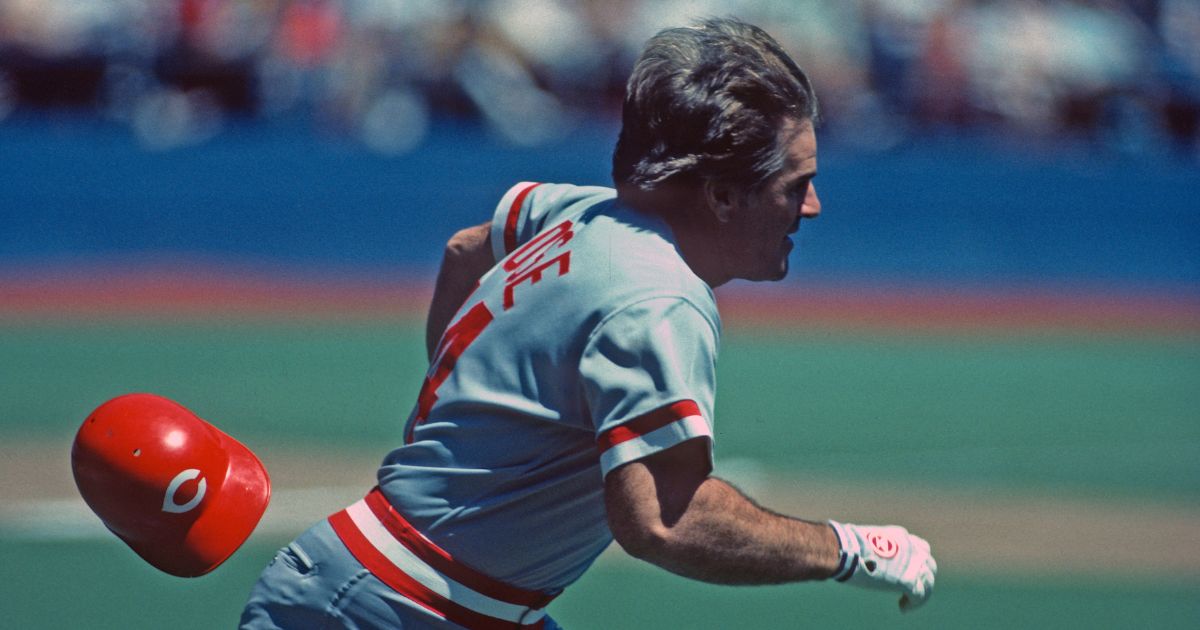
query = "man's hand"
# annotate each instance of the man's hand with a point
(886, 557)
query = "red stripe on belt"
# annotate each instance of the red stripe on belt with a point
(438, 559)
(441, 560)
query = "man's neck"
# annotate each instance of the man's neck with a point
(694, 228)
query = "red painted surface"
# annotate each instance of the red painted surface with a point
(938, 309)
(207, 292)
(198, 292)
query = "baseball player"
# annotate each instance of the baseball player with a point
(569, 398)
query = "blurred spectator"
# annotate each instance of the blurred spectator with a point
(1118, 73)
(1179, 26)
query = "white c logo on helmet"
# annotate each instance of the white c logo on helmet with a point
(169, 504)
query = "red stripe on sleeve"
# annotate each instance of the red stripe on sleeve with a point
(647, 423)
(510, 224)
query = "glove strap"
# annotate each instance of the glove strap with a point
(847, 560)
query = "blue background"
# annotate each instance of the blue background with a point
(77, 193)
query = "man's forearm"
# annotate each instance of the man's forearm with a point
(702, 528)
(724, 537)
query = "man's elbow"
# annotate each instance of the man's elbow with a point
(469, 242)
(646, 499)
(647, 540)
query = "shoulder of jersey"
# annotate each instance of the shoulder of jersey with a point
(567, 200)
(622, 252)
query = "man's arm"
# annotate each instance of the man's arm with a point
(467, 257)
(666, 509)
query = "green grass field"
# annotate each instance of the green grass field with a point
(1097, 413)
(1067, 414)
(103, 586)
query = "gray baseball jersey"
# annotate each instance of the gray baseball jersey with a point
(590, 344)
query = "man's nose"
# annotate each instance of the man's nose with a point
(812, 203)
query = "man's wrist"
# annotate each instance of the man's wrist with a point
(847, 557)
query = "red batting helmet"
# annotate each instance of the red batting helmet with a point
(178, 491)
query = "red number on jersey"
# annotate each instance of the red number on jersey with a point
(454, 342)
(524, 264)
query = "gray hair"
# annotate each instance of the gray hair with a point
(707, 102)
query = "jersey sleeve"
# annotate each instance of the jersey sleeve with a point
(524, 211)
(649, 374)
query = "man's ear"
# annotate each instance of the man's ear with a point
(721, 200)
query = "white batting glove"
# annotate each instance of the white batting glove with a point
(886, 557)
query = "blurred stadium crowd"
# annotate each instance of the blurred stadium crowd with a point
(1123, 74)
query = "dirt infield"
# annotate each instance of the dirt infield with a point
(973, 530)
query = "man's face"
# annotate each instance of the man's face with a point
(755, 241)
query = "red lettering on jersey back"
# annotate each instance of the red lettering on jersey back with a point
(534, 275)
(454, 342)
(526, 262)
(535, 249)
